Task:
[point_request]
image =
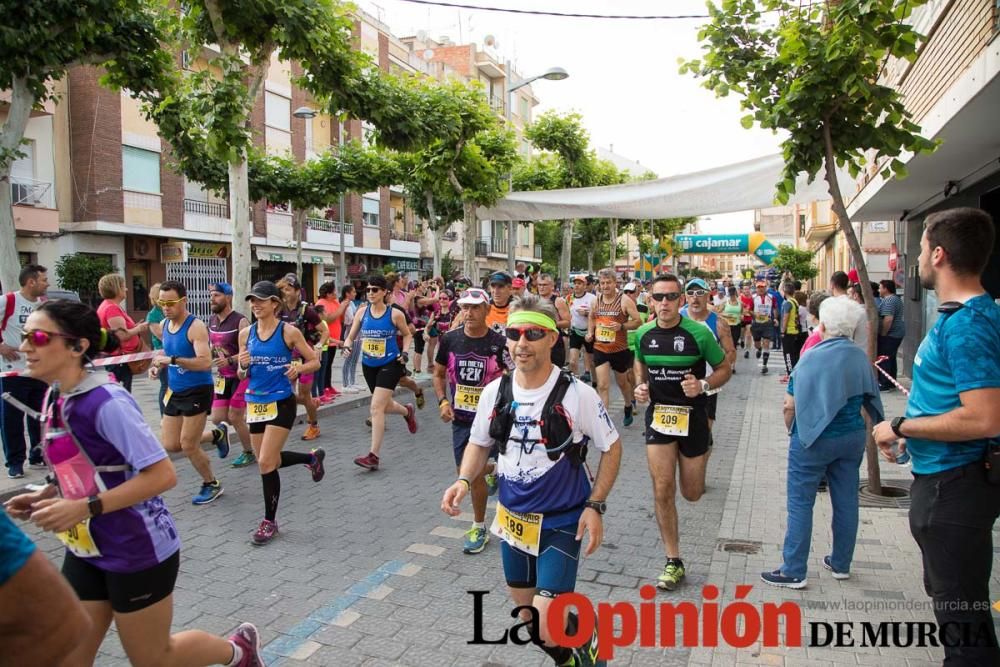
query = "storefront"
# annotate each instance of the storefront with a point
(197, 266)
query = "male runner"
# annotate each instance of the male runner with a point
(580, 302)
(303, 317)
(501, 287)
(546, 290)
(671, 355)
(229, 404)
(546, 500)
(612, 316)
(765, 319)
(467, 360)
(746, 299)
(698, 310)
(187, 358)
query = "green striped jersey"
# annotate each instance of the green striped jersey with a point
(670, 354)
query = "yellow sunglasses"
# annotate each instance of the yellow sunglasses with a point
(163, 303)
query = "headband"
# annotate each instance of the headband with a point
(531, 317)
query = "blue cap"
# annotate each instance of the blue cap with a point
(225, 288)
(696, 282)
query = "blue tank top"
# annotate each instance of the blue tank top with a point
(712, 322)
(378, 339)
(269, 361)
(178, 345)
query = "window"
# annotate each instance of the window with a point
(140, 170)
(802, 224)
(525, 111)
(367, 135)
(369, 212)
(277, 111)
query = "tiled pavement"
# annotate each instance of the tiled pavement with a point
(368, 571)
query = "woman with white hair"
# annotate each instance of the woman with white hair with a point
(822, 409)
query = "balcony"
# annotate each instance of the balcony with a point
(34, 206)
(211, 209)
(449, 236)
(331, 226)
(411, 237)
(482, 248)
(497, 104)
(327, 232)
(29, 192)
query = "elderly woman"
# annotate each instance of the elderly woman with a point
(823, 414)
(114, 318)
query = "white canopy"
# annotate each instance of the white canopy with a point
(735, 187)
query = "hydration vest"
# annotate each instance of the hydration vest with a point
(556, 425)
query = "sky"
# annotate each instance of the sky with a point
(623, 78)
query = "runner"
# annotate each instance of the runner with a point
(697, 309)
(764, 321)
(266, 360)
(546, 290)
(443, 312)
(580, 302)
(303, 317)
(467, 360)
(501, 287)
(732, 313)
(378, 325)
(670, 365)
(746, 298)
(229, 403)
(790, 329)
(123, 550)
(611, 317)
(407, 381)
(545, 493)
(187, 360)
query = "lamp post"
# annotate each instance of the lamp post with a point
(552, 74)
(299, 217)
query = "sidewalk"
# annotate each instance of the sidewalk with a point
(886, 581)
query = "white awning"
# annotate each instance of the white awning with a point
(736, 187)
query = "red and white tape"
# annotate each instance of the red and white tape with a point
(889, 377)
(104, 361)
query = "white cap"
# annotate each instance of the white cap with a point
(631, 287)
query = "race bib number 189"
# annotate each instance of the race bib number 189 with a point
(521, 531)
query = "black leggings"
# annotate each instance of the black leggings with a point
(792, 345)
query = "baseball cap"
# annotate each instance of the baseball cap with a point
(292, 280)
(581, 277)
(518, 282)
(224, 288)
(761, 283)
(696, 282)
(630, 287)
(501, 277)
(264, 289)
(473, 297)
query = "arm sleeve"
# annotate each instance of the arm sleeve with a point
(972, 349)
(120, 422)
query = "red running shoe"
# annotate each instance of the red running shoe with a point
(369, 461)
(411, 418)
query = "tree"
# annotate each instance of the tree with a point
(815, 74)
(797, 262)
(41, 41)
(81, 273)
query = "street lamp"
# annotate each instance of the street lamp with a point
(552, 74)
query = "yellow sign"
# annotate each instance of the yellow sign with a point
(79, 540)
(208, 250)
(261, 412)
(671, 420)
(521, 531)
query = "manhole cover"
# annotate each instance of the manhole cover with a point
(739, 546)
(895, 494)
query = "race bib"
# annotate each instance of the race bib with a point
(762, 313)
(220, 385)
(605, 334)
(466, 397)
(373, 347)
(79, 540)
(261, 412)
(671, 420)
(166, 396)
(521, 531)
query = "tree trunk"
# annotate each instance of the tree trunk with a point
(21, 101)
(299, 230)
(613, 230)
(871, 451)
(435, 235)
(566, 254)
(590, 260)
(511, 246)
(469, 238)
(239, 214)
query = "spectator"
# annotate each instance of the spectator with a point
(154, 319)
(113, 318)
(823, 416)
(815, 300)
(348, 294)
(890, 331)
(839, 284)
(333, 315)
(951, 425)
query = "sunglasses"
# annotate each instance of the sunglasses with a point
(169, 302)
(40, 338)
(697, 292)
(669, 296)
(373, 290)
(533, 334)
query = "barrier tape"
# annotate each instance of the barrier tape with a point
(104, 361)
(889, 377)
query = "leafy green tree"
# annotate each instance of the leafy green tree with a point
(797, 262)
(813, 70)
(81, 273)
(40, 42)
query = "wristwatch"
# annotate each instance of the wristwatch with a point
(896, 424)
(705, 387)
(598, 506)
(173, 360)
(94, 506)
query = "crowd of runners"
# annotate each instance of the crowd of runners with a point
(520, 370)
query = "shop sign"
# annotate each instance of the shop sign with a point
(406, 264)
(358, 269)
(174, 251)
(313, 259)
(208, 250)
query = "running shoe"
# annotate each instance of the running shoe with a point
(209, 492)
(35, 459)
(783, 379)
(672, 575)
(421, 401)
(15, 471)
(411, 418)
(369, 461)
(368, 422)
(746, 354)
(265, 533)
(476, 539)
(312, 432)
(627, 421)
(491, 484)
(828, 564)
(763, 370)
(585, 377)
(316, 466)
(248, 640)
(776, 578)
(586, 655)
(758, 353)
(220, 438)
(244, 459)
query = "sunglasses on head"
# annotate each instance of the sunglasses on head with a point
(697, 292)
(669, 296)
(41, 338)
(533, 334)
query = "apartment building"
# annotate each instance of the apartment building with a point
(953, 92)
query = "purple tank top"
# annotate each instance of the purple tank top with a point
(224, 337)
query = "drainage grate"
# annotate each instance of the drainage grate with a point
(895, 494)
(739, 546)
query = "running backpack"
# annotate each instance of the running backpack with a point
(556, 425)
(310, 332)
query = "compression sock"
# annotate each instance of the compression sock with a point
(295, 458)
(766, 356)
(272, 490)
(562, 655)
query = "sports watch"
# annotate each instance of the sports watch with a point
(598, 506)
(95, 506)
(895, 424)
(705, 387)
